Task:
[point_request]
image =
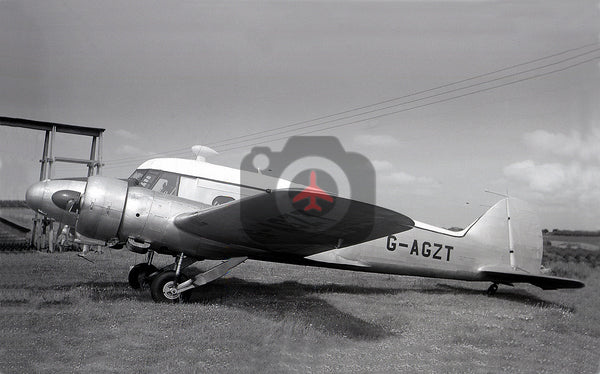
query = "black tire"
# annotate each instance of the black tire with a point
(139, 275)
(162, 284)
(492, 290)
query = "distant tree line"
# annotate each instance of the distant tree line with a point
(571, 232)
(13, 204)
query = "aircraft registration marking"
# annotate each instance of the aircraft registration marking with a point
(426, 249)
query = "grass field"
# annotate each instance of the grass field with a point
(60, 313)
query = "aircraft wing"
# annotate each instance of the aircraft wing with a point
(270, 222)
(546, 282)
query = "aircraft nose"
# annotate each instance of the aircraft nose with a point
(57, 199)
(35, 195)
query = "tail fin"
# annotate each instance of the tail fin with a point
(511, 234)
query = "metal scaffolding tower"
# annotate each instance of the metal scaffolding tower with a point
(94, 163)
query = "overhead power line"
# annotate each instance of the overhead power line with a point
(419, 99)
(296, 126)
(186, 149)
(422, 105)
(415, 93)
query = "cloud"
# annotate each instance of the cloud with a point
(565, 180)
(375, 140)
(130, 150)
(574, 145)
(124, 134)
(400, 177)
(392, 179)
(558, 183)
(382, 165)
(0, 163)
(540, 178)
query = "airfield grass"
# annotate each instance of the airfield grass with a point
(61, 313)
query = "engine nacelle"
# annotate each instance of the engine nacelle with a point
(101, 208)
(111, 211)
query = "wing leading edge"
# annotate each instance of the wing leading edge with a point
(270, 222)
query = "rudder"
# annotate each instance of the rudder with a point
(511, 233)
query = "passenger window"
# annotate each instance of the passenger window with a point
(222, 200)
(167, 183)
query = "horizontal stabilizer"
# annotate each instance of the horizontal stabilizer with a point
(271, 222)
(507, 276)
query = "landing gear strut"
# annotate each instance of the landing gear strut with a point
(172, 286)
(492, 289)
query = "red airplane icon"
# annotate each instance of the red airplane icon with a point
(312, 192)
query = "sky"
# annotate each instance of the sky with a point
(458, 97)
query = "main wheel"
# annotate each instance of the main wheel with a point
(492, 290)
(139, 275)
(163, 289)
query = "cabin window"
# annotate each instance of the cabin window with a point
(222, 200)
(167, 183)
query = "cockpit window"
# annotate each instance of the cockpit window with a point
(136, 177)
(155, 180)
(149, 178)
(167, 183)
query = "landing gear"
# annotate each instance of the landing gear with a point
(492, 289)
(172, 286)
(164, 288)
(139, 275)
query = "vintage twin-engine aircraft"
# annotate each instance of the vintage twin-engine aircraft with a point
(195, 210)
